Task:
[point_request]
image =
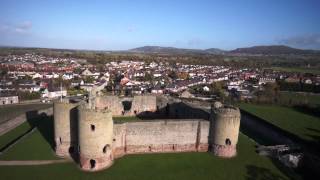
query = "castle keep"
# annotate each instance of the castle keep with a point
(89, 133)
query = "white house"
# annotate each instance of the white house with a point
(53, 93)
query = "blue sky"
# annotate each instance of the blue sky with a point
(121, 25)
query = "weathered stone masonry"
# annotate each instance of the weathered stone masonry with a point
(160, 136)
(99, 141)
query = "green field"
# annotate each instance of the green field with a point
(297, 69)
(303, 125)
(10, 111)
(38, 146)
(307, 98)
(35, 146)
(247, 165)
(13, 134)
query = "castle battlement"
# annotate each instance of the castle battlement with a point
(90, 134)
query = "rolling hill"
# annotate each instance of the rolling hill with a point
(255, 50)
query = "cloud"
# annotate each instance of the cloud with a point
(304, 41)
(23, 27)
(19, 28)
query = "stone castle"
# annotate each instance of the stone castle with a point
(86, 131)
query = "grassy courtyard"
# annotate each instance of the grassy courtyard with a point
(303, 125)
(38, 146)
(120, 119)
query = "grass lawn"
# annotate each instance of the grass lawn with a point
(126, 119)
(33, 147)
(297, 69)
(11, 111)
(247, 165)
(303, 125)
(13, 134)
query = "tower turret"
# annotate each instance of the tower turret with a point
(65, 127)
(225, 124)
(95, 138)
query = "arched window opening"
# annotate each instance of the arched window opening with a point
(92, 163)
(228, 142)
(105, 148)
(149, 148)
(93, 127)
(60, 140)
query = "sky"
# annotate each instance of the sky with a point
(126, 24)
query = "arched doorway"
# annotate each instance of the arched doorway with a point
(228, 142)
(92, 163)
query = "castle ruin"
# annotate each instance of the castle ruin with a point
(89, 133)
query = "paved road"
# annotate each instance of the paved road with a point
(32, 162)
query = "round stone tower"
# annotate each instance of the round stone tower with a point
(225, 124)
(95, 138)
(65, 127)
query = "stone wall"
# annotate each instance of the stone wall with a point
(143, 104)
(161, 136)
(112, 103)
(138, 105)
(99, 141)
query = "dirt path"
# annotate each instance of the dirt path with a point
(32, 162)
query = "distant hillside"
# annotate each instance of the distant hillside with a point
(165, 50)
(272, 50)
(215, 51)
(255, 50)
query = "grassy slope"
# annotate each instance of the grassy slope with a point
(298, 123)
(9, 136)
(33, 147)
(151, 166)
(11, 111)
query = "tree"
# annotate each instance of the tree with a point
(173, 75)
(89, 79)
(148, 77)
